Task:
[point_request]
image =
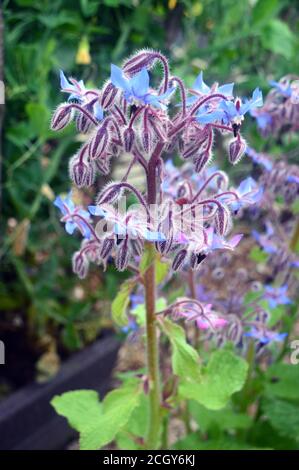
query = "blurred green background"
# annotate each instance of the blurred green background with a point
(245, 41)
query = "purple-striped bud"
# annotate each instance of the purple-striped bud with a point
(109, 93)
(237, 149)
(103, 164)
(129, 137)
(99, 143)
(81, 171)
(107, 247)
(190, 151)
(202, 160)
(222, 220)
(165, 246)
(62, 117)
(83, 123)
(143, 59)
(90, 176)
(137, 246)
(80, 264)
(179, 260)
(234, 332)
(123, 256)
(110, 193)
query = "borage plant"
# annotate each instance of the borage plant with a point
(182, 216)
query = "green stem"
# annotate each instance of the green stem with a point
(152, 348)
(192, 289)
(152, 356)
(295, 238)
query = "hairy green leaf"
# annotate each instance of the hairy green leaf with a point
(98, 423)
(224, 375)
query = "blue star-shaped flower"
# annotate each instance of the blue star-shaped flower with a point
(73, 216)
(249, 193)
(283, 87)
(265, 336)
(231, 112)
(276, 296)
(200, 87)
(136, 88)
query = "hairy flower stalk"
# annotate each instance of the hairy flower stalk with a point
(151, 328)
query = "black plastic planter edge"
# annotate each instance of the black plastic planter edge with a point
(28, 421)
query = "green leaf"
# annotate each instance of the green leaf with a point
(258, 255)
(120, 303)
(275, 314)
(136, 426)
(139, 311)
(161, 270)
(283, 416)
(225, 419)
(39, 117)
(147, 260)
(283, 381)
(185, 360)
(194, 442)
(262, 434)
(278, 38)
(79, 407)
(264, 10)
(98, 423)
(224, 375)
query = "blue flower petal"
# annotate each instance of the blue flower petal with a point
(200, 85)
(118, 80)
(140, 83)
(97, 210)
(226, 89)
(64, 83)
(70, 226)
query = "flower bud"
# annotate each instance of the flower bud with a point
(109, 194)
(61, 117)
(190, 151)
(90, 176)
(80, 264)
(179, 260)
(143, 59)
(103, 164)
(83, 123)
(99, 143)
(129, 137)
(122, 257)
(109, 93)
(237, 148)
(222, 220)
(107, 247)
(137, 246)
(234, 332)
(81, 171)
(202, 160)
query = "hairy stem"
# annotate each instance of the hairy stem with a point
(192, 288)
(154, 428)
(295, 238)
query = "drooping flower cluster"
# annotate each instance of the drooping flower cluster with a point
(280, 111)
(185, 212)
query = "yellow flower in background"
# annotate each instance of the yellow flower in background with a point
(83, 56)
(172, 4)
